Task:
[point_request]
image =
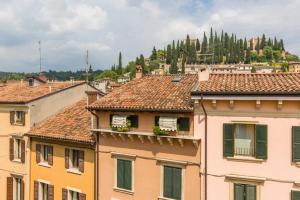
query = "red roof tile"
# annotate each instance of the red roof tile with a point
(150, 93)
(72, 124)
(267, 83)
(22, 93)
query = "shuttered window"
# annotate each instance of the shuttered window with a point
(17, 149)
(296, 143)
(172, 182)
(17, 118)
(183, 123)
(244, 192)
(245, 140)
(295, 195)
(124, 174)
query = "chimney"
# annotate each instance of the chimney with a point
(203, 75)
(138, 72)
(92, 96)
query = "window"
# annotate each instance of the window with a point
(18, 149)
(244, 192)
(124, 174)
(74, 160)
(172, 182)
(18, 190)
(17, 118)
(134, 120)
(44, 191)
(30, 82)
(295, 195)
(173, 123)
(73, 195)
(45, 153)
(245, 140)
(15, 188)
(121, 120)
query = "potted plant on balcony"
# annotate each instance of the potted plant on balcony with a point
(122, 128)
(158, 131)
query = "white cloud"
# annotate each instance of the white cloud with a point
(67, 28)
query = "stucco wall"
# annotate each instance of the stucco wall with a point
(147, 172)
(45, 107)
(146, 120)
(8, 167)
(278, 166)
(58, 176)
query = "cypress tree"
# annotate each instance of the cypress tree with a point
(197, 45)
(169, 54)
(275, 44)
(257, 47)
(154, 54)
(120, 63)
(263, 42)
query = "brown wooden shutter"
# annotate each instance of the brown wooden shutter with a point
(23, 151)
(50, 155)
(22, 193)
(67, 151)
(50, 192)
(12, 117)
(11, 149)
(38, 153)
(36, 190)
(64, 194)
(23, 118)
(81, 161)
(10, 188)
(82, 196)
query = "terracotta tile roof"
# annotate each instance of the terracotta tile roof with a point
(22, 93)
(252, 84)
(150, 93)
(72, 124)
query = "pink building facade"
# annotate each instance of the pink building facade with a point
(252, 136)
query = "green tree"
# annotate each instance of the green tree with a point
(268, 53)
(169, 54)
(154, 54)
(253, 70)
(120, 64)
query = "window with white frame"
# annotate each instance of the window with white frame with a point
(74, 159)
(44, 153)
(244, 141)
(17, 188)
(17, 118)
(73, 195)
(44, 191)
(172, 182)
(17, 149)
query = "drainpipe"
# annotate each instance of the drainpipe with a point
(96, 165)
(205, 151)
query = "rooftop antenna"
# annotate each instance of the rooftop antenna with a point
(87, 66)
(40, 51)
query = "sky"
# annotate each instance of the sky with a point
(67, 28)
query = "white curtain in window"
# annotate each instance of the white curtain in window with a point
(168, 123)
(119, 121)
(244, 139)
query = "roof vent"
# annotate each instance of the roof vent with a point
(177, 78)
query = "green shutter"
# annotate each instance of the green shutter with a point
(238, 192)
(134, 120)
(176, 183)
(261, 140)
(296, 143)
(110, 119)
(167, 181)
(184, 123)
(120, 173)
(295, 195)
(250, 192)
(127, 175)
(228, 140)
(156, 121)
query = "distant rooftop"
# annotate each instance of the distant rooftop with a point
(250, 84)
(21, 92)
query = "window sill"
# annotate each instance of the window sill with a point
(164, 198)
(17, 124)
(74, 171)
(44, 164)
(246, 159)
(17, 160)
(123, 191)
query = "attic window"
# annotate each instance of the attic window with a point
(119, 121)
(30, 82)
(176, 79)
